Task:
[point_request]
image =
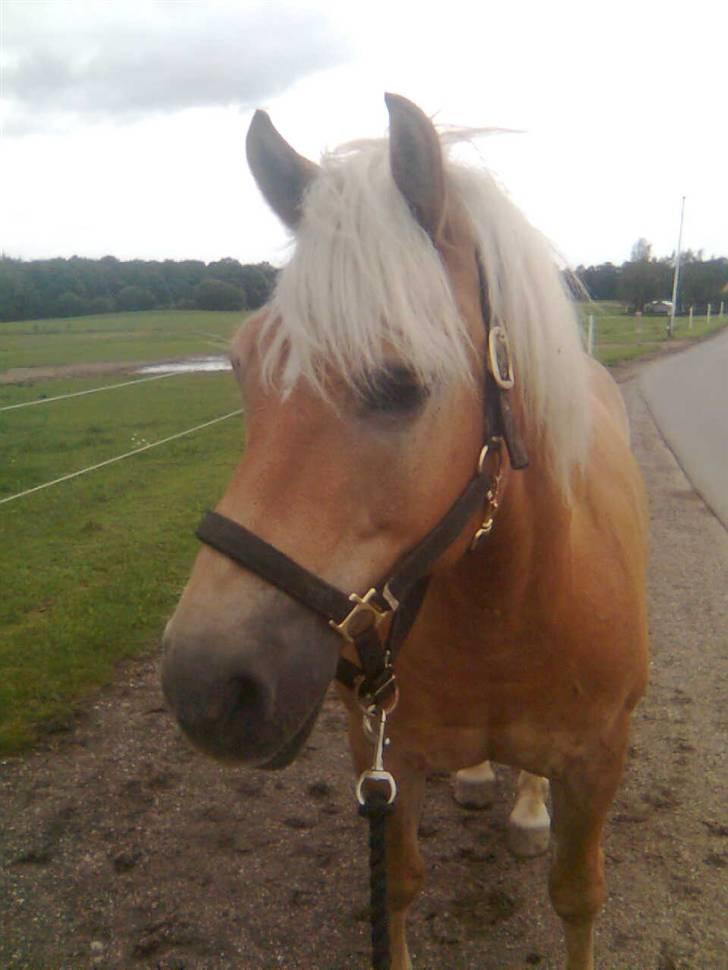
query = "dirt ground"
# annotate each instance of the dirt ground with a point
(121, 847)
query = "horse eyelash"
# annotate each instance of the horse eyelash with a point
(395, 391)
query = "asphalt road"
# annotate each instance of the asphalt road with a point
(687, 394)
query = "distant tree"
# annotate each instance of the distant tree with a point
(255, 280)
(101, 304)
(134, 298)
(19, 298)
(70, 305)
(257, 286)
(601, 282)
(271, 275)
(182, 278)
(644, 279)
(227, 271)
(641, 251)
(217, 295)
(703, 282)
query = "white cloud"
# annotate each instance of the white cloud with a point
(124, 61)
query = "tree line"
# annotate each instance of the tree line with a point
(47, 288)
(642, 279)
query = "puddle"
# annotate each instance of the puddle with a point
(192, 366)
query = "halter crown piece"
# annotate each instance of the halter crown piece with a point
(398, 598)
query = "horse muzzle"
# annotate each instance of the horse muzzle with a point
(250, 695)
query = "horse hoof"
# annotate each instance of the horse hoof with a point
(475, 787)
(529, 833)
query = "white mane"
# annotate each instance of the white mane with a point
(365, 284)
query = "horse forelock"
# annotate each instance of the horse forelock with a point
(366, 284)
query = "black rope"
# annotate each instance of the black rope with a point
(376, 809)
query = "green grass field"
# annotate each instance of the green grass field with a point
(619, 337)
(122, 337)
(91, 568)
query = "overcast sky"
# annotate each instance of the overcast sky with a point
(123, 121)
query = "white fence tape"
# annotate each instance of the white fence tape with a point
(127, 454)
(91, 390)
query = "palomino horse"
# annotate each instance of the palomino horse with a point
(371, 382)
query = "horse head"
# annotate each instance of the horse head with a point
(362, 385)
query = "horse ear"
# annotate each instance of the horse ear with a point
(281, 173)
(416, 161)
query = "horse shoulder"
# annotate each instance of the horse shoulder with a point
(609, 544)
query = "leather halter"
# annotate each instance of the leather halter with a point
(400, 594)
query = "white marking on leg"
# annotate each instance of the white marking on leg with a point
(529, 825)
(475, 786)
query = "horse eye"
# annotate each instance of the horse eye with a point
(394, 390)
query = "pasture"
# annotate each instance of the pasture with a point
(117, 337)
(619, 336)
(91, 567)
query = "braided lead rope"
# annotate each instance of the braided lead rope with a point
(376, 791)
(376, 808)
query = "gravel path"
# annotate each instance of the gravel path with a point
(120, 847)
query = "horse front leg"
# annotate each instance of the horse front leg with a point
(405, 868)
(580, 801)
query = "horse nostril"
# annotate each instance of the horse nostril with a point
(250, 699)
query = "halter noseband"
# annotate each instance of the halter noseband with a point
(398, 597)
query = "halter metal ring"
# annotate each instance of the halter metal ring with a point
(373, 775)
(370, 708)
(499, 357)
(481, 458)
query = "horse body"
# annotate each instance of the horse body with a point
(534, 656)
(531, 651)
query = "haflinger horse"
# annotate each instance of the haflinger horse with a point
(416, 381)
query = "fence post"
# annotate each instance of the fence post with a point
(690, 321)
(722, 307)
(590, 336)
(707, 321)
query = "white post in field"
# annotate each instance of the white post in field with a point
(707, 321)
(690, 321)
(676, 275)
(722, 306)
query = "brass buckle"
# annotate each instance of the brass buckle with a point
(492, 496)
(500, 363)
(365, 615)
(486, 526)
